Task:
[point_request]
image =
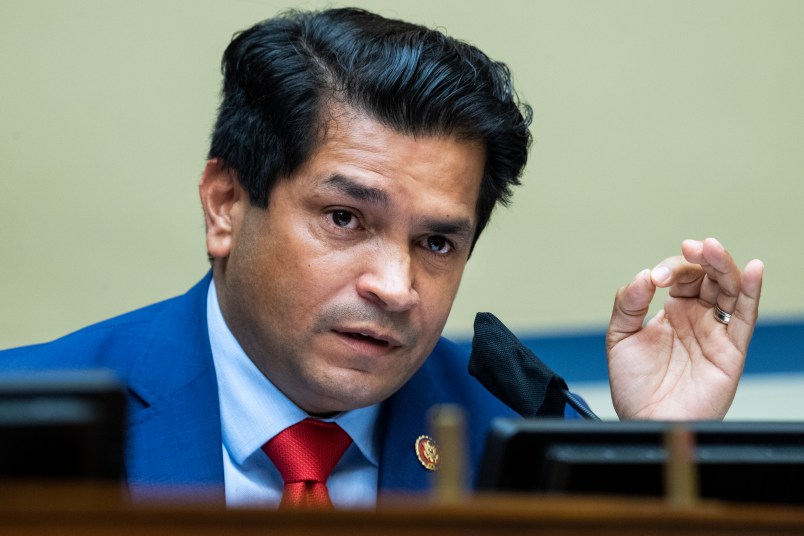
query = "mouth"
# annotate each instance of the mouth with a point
(370, 337)
(366, 338)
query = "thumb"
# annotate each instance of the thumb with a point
(630, 308)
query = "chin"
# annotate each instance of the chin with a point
(350, 390)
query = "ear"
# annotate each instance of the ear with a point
(222, 198)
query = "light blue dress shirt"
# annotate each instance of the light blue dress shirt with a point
(253, 411)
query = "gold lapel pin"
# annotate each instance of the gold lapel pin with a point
(427, 452)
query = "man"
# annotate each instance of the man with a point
(354, 163)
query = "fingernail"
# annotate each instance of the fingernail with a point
(697, 244)
(660, 274)
(644, 273)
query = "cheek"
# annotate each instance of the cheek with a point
(300, 277)
(438, 293)
(435, 305)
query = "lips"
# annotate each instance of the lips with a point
(371, 337)
(365, 337)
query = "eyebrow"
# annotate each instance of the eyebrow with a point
(357, 191)
(458, 227)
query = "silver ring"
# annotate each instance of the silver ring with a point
(722, 316)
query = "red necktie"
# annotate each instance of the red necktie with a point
(305, 455)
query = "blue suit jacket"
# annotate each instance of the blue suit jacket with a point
(163, 356)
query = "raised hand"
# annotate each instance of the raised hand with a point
(686, 361)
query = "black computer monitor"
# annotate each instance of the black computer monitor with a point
(736, 461)
(61, 426)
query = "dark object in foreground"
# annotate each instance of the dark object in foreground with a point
(736, 461)
(61, 425)
(513, 373)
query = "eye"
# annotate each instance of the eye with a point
(344, 219)
(438, 244)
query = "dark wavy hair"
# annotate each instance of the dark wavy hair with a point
(281, 74)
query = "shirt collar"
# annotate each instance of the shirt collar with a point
(253, 410)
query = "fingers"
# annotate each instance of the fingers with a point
(706, 271)
(683, 278)
(630, 307)
(723, 279)
(746, 310)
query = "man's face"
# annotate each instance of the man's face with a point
(340, 289)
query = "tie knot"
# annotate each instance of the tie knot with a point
(308, 450)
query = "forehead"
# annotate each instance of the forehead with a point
(358, 147)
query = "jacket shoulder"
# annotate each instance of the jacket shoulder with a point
(106, 344)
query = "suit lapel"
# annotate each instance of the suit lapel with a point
(402, 420)
(174, 429)
(441, 380)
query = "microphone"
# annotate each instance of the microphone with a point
(513, 373)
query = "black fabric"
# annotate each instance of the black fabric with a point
(512, 373)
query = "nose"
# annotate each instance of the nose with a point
(388, 280)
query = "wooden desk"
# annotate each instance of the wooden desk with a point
(29, 510)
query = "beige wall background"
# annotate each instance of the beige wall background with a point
(654, 122)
